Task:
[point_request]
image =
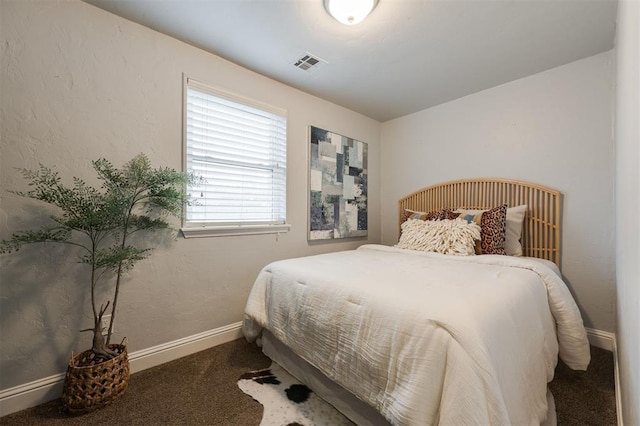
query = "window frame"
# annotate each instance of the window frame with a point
(200, 229)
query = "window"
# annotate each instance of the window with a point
(239, 147)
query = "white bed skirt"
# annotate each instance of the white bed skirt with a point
(344, 401)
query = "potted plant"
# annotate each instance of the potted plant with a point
(103, 224)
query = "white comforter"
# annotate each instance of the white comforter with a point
(425, 338)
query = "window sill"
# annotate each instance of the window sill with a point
(233, 230)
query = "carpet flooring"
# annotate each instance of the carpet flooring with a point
(201, 389)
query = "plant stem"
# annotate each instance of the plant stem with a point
(125, 230)
(93, 278)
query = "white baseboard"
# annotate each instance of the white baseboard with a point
(147, 358)
(34, 393)
(601, 339)
(605, 340)
(616, 373)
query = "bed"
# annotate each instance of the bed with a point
(399, 335)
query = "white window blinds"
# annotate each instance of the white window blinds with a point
(239, 148)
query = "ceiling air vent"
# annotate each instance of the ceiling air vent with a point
(309, 62)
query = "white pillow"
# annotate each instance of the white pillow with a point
(515, 219)
(455, 237)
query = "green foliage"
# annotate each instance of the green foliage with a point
(131, 199)
(45, 234)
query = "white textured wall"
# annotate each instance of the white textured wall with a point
(628, 207)
(79, 83)
(553, 128)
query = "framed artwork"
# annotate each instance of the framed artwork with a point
(337, 186)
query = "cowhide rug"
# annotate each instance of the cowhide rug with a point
(286, 401)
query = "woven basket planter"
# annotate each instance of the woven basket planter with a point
(89, 385)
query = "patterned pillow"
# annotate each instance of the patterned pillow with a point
(445, 214)
(515, 222)
(446, 236)
(433, 215)
(493, 228)
(414, 215)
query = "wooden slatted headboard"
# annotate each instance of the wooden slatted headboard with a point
(541, 228)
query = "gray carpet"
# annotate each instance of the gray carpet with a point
(586, 397)
(201, 389)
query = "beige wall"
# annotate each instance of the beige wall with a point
(627, 207)
(553, 128)
(79, 83)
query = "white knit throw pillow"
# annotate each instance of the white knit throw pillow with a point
(455, 237)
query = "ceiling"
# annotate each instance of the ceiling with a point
(408, 55)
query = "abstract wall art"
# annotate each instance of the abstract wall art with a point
(337, 186)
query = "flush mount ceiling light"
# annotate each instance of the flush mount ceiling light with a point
(349, 12)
